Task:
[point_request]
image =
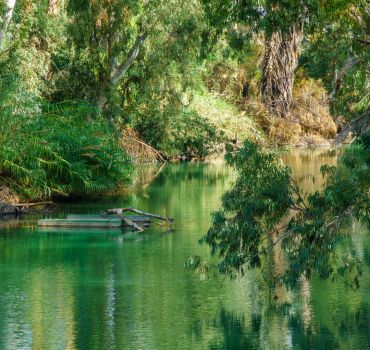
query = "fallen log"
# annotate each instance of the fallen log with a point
(357, 126)
(132, 224)
(120, 211)
(29, 205)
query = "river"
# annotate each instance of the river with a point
(85, 289)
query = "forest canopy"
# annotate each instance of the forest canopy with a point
(85, 86)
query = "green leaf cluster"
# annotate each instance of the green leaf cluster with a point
(266, 209)
(58, 152)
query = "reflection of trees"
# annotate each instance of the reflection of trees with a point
(318, 337)
(99, 290)
(308, 162)
(366, 257)
(51, 303)
(233, 330)
(234, 333)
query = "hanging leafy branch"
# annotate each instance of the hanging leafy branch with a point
(265, 207)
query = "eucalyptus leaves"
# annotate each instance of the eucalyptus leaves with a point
(266, 208)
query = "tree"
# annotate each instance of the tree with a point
(313, 230)
(338, 55)
(107, 37)
(285, 24)
(102, 33)
(6, 15)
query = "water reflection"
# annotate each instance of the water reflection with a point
(308, 162)
(235, 330)
(94, 289)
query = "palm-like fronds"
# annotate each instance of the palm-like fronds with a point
(58, 152)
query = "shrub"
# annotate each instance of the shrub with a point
(285, 131)
(311, 108)
(235, 79)
(59, 152)
(309, 120)
(193, 136)
(179, 132)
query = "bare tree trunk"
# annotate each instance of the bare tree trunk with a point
(118, 72)
(53, 8)
(279, 63)
(339, 76)
(10, 4)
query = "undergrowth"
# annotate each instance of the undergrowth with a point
(228, 119)
(59, 152)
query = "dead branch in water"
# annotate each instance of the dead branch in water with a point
(130, 223)
(156, 152)
(120, 211)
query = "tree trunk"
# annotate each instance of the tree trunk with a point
(279, 63)
(53, 8)
(339, 76)
(10, 4)
(118, 72)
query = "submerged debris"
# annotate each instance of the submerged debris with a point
(131, 223)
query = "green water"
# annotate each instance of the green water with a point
(107, 290)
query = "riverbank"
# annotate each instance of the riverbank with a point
(146, 172)
(102, 156)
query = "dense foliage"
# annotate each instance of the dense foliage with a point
(57, 152)
(182, 75)
(328, 38)
(266, 208)
(48, 148)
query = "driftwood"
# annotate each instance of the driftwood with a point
(120, 211)
(132, 224)
(29, 205)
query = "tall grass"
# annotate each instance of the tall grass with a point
(59, 152)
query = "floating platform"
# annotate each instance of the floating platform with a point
(134, 218)
(94, 221)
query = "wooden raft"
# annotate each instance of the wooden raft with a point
(104, 223)
(111, 218)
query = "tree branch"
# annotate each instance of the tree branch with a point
(120, 211)
(337, 84)
(130, 223)
(10, 4)
(121, 70)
